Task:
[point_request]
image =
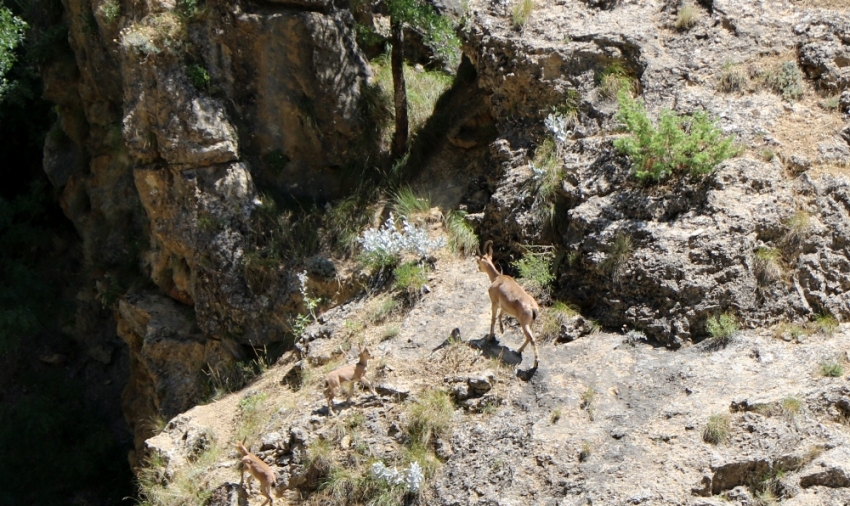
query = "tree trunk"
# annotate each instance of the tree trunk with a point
(399, 147)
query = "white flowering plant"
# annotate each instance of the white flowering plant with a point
(384, 246)
(410, 479)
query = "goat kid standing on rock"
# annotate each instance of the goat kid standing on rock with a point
(257, 469)
(347, 374)
(507, 296)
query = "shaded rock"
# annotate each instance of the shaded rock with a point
(228, 494)
(831, 469)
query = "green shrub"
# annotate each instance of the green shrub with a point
(721, 328)
(520, 12)
(198, 76)
(110, 10)
(552, 319)
(717, 429)
(410, 277)
(787, 80)
(680, 144)
(826, 324)
(831, 369)
(547, 168)
(536, 267)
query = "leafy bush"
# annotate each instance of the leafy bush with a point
(110, 10)
(383, 247)
(721, 328)
(410, 277)
(680, 144)
(12, 30)
(831, 369)
(536, 267)
(199, 76)
(787, 80)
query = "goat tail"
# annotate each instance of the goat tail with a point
(533, 315)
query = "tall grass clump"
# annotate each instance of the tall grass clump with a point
(768, 265)
(521, 12)
(614, 79)
(690, 145)
(733, 78)
(686, 17)
(184, 486)
(429, 417)
(410, 277)
(552, 319)
(619, 252)
(408, 205)
(825, 324)
(462, 237)
(717, 429)
(831, 369)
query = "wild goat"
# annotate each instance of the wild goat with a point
(347, 374)
(257, 469)
(507, 296)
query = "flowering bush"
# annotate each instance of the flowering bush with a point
(411, 477)
(383, 246)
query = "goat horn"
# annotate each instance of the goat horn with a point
(489, 247)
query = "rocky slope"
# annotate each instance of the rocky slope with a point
(606, 419)
(179, 120)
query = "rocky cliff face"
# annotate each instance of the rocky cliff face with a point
(167, 116)
(178, 118)
(693, 246)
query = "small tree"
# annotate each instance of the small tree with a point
(11, 36)
(439, 35)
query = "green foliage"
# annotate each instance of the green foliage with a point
(799, 226)
(831, 369)
(12, 30)
(826, 324)
(224, 378)
(186, 486)
(548, 169)
(429, 417)
(381, 308)
(721, 328)
(680, 144)
(790, 406)
(253, 414)
(110, 10)
(51, 424)
(787, 80)
(462, 237)
(520, 12)
(438, 31)
(717, 429)
(410, 277)
(344, 221)
(831, 103)
(408, 205)
(536, 267)
(198, 76)
(188, 9)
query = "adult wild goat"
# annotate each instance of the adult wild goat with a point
(507, 296)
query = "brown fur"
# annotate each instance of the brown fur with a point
(347, 374)
(257, 469)
(507, 297)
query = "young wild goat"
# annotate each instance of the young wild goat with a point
(507, 296)
(347, 374)
(257, 469)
